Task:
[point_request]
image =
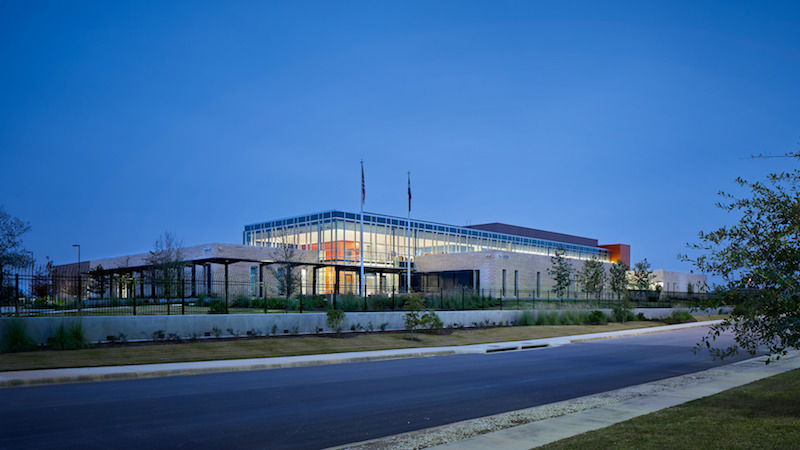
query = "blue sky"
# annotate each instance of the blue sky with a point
(618, 121)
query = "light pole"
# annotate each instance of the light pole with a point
(79, 273)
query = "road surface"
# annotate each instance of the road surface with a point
(315, 407)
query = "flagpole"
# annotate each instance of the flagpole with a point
(408, 261)
(362, 290)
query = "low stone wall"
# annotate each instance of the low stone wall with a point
(142, 328)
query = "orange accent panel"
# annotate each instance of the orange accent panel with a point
(337, 250)
(621, 252)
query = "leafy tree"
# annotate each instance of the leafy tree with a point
(758, 259)
(166, 263)
(642, 275)
(618, 278)
(11, 252)
(593, 277)
(98, 280)
(42, 285)
(561, 272)
(413, 309)
(285, 270)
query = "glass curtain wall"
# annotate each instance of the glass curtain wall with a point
(334, 235)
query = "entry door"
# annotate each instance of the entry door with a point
(349, 283)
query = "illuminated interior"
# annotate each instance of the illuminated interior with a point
(335, 236)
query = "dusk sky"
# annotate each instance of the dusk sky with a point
(618, 121)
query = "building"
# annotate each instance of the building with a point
(325, 249)
(500, 259)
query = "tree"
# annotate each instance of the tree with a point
(618, 278)
(758, 260)
(285, 270)
(561, 272)
(593, 277)
(11, 252)
(42, 285)
(98, 280)
(166, 264)
(642, 275)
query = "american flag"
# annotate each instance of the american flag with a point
(363, 186)
(409, 191)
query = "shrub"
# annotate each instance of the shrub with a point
(240, 301)
(526, 319)
(417, 317)
(41, 302)
(431, 322)
(15, 337)
(335, 320)
(269, 303)
(413, 308)
(380, 303)
(68, 338)
(350, 302)
(316, 302)
(596, 318)
(217, 307)
(622, 311)
(546, 318)
(571, 317)
(679, 316)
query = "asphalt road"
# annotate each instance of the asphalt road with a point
(315, 407)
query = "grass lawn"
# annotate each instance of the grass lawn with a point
(762, 414)
(287, 346)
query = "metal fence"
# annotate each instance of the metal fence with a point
(35, 292)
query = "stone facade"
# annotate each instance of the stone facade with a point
(679, 281)
(526, 275)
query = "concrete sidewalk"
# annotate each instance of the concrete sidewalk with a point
(87, 374)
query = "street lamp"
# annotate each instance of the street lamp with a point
(79, 273)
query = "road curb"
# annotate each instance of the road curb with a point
(116, 373)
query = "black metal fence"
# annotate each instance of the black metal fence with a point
(37, 292)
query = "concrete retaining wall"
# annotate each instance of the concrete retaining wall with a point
(140, 328)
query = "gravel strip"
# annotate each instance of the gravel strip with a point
(470, 428)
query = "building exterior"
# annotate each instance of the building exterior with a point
(324, 252)
(499, 259)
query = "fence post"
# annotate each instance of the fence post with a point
(80, 293)
(16, 294)
(226, 289)
(183, 296)
(462, 298)
(265, 297)
(134, 302)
